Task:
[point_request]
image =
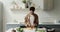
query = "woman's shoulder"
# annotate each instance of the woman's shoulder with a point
(35, 15)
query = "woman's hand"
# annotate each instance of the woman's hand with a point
(27, 24)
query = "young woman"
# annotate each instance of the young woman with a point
(31, 19)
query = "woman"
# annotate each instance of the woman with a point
(31, 19)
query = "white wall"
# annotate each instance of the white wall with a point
(19, 16)
(38, 3)
(43, 15)
(1, 16)
(9, 16)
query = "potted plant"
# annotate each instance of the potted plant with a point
(24, 1)
(26, 4)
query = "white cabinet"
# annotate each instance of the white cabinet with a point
(44, 4)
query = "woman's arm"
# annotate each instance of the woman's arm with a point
(27, 23)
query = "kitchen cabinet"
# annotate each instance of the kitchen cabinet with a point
(44, 4)
(48, 4)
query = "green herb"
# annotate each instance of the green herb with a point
(19, 29)
(24, 1)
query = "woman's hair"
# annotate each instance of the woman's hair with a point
(32, 8)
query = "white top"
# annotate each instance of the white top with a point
(31, 19)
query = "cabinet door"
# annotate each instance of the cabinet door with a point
(48, 4)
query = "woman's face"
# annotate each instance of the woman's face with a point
(31, 12)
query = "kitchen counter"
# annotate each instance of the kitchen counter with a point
(40, 25)
(27, 29)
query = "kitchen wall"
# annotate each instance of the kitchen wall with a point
(50, 15)
(10, 16)
(1, 17)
